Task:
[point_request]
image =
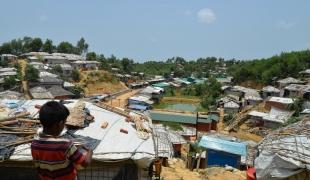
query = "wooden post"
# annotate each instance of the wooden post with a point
(198, 161)
(197, 125)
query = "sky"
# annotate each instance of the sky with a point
(160, 29)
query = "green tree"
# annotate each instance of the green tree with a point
(9, 82)
(6, 48)
(31, 74)
(76, 76)
(48, 46)
(82, 46)
(127, 65)
(297, 106)
(91, 56)
(17, 46)
(57, 69)
(26, 44)
(36, 44)
(66, 47)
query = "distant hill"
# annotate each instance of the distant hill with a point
(266, 70)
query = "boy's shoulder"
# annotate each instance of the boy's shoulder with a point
(49, 141)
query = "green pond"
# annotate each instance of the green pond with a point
(179, 106)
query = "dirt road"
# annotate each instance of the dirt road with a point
(121, 101)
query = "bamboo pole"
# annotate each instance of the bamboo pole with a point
(14, 117)
(9, 132)
(11, 122)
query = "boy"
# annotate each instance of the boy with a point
(54, 156)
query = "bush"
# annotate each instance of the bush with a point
(228, 118)
(292, 120)
(76, 76)
(31, 74)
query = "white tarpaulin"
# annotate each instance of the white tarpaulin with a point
(114, 145)
(284, 152)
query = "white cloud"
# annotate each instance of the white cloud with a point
(43, 18)
(285, 24)
(206, 16)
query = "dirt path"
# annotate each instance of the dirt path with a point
(23, 64)
(121, 101)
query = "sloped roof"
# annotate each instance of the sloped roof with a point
(290, 80)
(288, 147)
(114, 145)
(298, 87)
(231, 104)
(59, 91)
(281, 100)
(10, 95)
(40, 92)
(181, 117)
(49, 79)
(223, 145)
(8, 69)
(270, 89)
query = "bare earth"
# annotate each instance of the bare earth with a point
(93, 85)
(121, 101)
(178, 171)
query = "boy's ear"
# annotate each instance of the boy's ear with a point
(61, 122)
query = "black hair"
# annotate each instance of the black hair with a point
(52, 113)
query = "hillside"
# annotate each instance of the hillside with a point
(99, 82)
(267, 70)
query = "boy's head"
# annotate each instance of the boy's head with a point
(53, 116)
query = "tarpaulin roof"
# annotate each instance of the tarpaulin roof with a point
(138, 107)
(223, 145)
(114, 145)
(284, 152)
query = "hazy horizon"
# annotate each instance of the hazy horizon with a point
(158, 30)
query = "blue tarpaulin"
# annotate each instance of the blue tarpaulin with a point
(223, 145)
(137, 107)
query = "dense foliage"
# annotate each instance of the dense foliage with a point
(28, 44)
(31, 74)
(260, 70)
(268, 70)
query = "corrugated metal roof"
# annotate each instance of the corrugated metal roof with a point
(231, 104)
(281, 100)
(290, 80)
(270, 89)
(180, 117)
(223, 145)
(161, 85)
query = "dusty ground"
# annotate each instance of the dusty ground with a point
(252, 84)
(121, 101)
(177, 171)
(99, 82)
(218, 173)
(242, 131)
(242, 134)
